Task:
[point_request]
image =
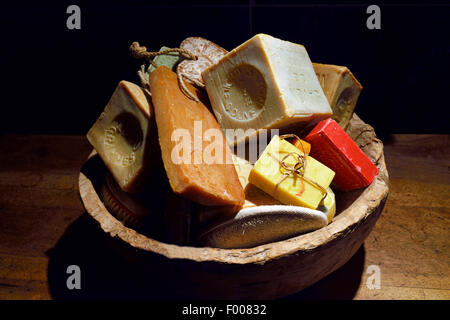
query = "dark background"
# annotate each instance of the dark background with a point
(57, 81)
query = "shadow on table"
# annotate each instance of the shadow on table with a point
(107, 273)
(342, 284)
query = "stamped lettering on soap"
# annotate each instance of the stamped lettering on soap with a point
(123, 138)
(304, 95)
(122, 159)
(110, 136)
(244, 92)
(118, 157)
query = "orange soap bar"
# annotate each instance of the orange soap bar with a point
(301, 145)
(196, 156)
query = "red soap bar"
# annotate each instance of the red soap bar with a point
(335, 149)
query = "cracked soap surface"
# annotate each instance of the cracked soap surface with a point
(265, 83)
(211, 184)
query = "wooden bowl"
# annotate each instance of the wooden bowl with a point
(265, 272)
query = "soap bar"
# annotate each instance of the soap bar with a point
(256, 197)
(265, 83)
(125, 137)
(170, 60)
(341, 89)
(301, 145)
(184, 128)
(330, 204)
(267, 174)
(257, 226)
(207, 53)
(212, 215)
(333, 147)
(253, 195)
(130, 209)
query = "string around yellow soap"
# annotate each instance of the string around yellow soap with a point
(306, 188)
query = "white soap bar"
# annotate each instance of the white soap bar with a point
(262, 84)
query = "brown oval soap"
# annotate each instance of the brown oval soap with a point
(190, 138)
(207, 52)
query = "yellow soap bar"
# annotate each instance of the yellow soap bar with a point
(294, 190)
(330, 204)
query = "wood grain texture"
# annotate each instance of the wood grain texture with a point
(43, 228)
(38, 200)
(410, 243)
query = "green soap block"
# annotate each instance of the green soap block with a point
(170, 60)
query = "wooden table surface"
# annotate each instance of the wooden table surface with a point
(44, 227)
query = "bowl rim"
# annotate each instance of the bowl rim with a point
(366, 203)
